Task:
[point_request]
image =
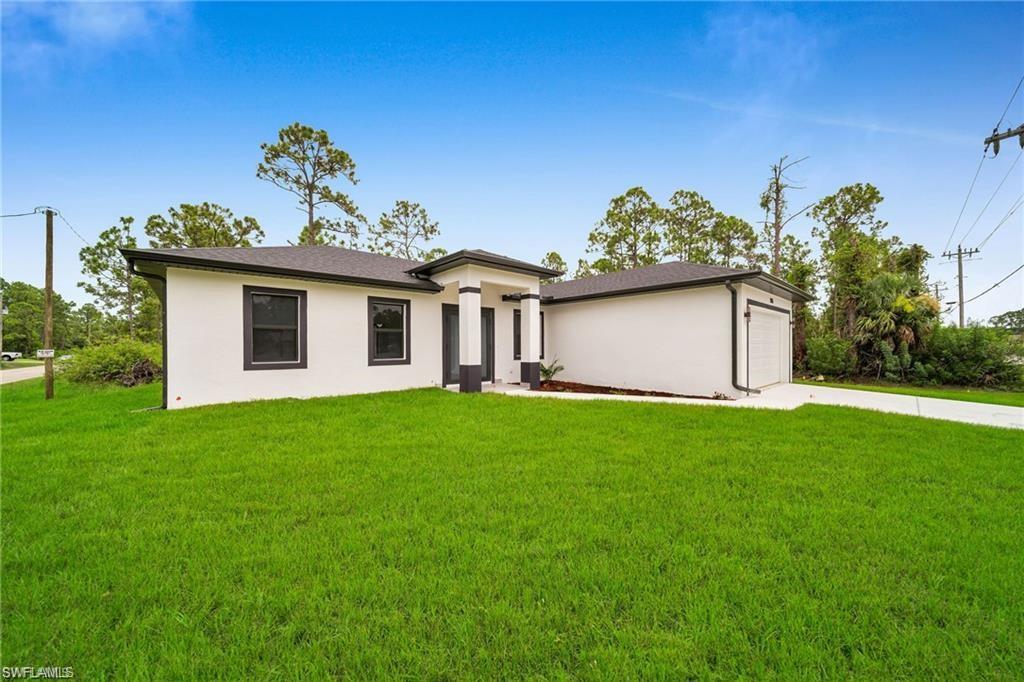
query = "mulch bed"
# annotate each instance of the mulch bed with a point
(555, 386)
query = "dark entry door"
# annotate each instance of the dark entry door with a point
(450, 344)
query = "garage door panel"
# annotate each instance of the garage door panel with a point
(767, 345)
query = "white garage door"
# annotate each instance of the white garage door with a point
(769, 345)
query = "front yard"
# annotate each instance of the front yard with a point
(432, 534)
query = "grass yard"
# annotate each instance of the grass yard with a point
(20, 362)
(971, 395)
(431, 534)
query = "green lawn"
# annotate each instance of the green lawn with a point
(971, 395)
(20, 362)
(427, 534)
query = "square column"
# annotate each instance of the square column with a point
(469, 339)
(529, 315)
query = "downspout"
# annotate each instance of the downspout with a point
(735, 359)
(163, 323)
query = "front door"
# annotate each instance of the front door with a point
(450, 344)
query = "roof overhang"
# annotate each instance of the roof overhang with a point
(181, 260)
(761, 280)
(466, 257)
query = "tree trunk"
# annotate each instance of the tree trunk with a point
(799, 335)
(311, 221)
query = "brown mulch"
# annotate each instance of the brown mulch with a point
(555, 386)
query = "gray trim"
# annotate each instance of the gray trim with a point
(735, 330)
(161, 295)
(477, 257)
(517, 333)
(247, 363)
(776, 308)
(469, 379)
(524, 297)
(407, 330)
(529, 373)
(469, 290)
(294, 273)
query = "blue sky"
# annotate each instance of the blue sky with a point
(512, 124)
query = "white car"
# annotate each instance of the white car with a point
(9, 355)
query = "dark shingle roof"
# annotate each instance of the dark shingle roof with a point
(318, 262)
(485, 258)
(663, 276)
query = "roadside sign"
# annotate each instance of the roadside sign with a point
(44, 353)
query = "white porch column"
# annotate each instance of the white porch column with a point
(529, 315)
(469, 337)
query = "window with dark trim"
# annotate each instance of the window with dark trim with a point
(389, 325)
(517, 335)
(273, 328)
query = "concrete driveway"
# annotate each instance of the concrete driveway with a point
(792, 396)
(789, 396)
(9, 376)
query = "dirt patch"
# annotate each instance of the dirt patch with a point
(555, 386)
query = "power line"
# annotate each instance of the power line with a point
(1012, 97)
(70, 227)
(43, 209)
(1013, 209)
(35, 211)
(984, 155)
(1019, 268)
(989, 202)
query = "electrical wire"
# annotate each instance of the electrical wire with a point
(994, 193)
(70, 227)
(18, 215)
(975, 298)
(1013, 209)
(42, 209)
(1014, 95)
(984, 155)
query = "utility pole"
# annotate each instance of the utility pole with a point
(960, 253)
(996, 136)
(48, 308)
(938, 290)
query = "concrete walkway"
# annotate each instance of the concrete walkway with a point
(9, 376)
(792, 396)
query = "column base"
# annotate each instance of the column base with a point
(529, 373)
(469, 379)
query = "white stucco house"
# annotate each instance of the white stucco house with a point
(303, 321)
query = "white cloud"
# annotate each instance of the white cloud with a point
(765, 43)
(867, 126)
(40, 36)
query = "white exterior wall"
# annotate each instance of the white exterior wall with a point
(205, 341)
(675, 341)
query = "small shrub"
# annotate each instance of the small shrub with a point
(128, 363)
(548, 372)
(973, 356)
(829, 355)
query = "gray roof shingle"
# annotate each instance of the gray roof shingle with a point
(663, 276)
(321, 262)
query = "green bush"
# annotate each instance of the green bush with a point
(123, 362)
(829, 355)
(974, 356)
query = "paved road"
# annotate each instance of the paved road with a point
(792, 396)
(9, 376)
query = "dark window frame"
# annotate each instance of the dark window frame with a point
(247, 361)
(517, 334)
(407, 331)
